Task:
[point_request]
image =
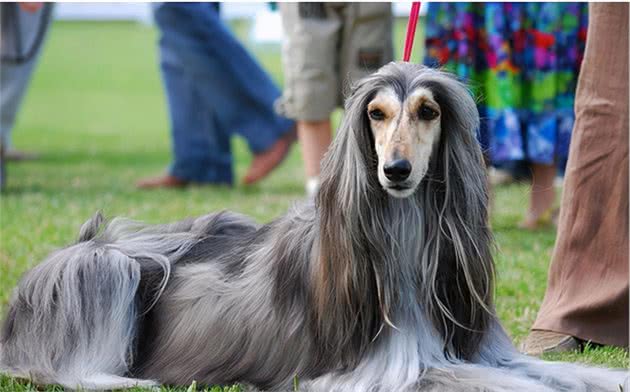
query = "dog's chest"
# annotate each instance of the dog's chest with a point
(394, 361)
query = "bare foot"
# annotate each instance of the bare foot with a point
(542, 196)
(534, 222)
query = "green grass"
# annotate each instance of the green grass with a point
(96, 113)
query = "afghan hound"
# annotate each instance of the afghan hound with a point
(383, 283)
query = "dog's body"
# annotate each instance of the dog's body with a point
(384, 284)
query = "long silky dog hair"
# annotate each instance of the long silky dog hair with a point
(383, 283)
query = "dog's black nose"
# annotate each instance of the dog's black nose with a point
(398, 170)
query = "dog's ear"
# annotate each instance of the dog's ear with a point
(347, 311)
(350, 163)
(456, 189)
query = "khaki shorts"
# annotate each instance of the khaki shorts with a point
(328, 46)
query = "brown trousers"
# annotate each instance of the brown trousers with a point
(587, 293)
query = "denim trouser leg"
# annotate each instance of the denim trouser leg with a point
(215, 88)
(201, 148)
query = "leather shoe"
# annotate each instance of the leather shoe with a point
(165, 181)
(544, 342)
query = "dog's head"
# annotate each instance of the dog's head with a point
(406, 127)
(398, 119)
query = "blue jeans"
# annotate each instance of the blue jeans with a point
(215, 88)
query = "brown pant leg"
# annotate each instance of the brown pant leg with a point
(587, 293)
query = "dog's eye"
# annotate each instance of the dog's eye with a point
(376, 114)
(426, 113)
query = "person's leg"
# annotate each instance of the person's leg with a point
(16, 71)
(315, 137)
(247, 93)
(541, 196)
(228, 82)
(201, 149)
(245, 104)
(587, 293)
(310, 56)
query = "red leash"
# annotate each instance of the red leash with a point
(411, 29)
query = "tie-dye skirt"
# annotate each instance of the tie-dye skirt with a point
(521, 61)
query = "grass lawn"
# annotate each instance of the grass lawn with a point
(96, 113)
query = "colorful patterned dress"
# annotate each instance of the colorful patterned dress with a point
(521, 61)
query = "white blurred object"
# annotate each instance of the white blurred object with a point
(267, 27)
(238, 10)
(139, 12)
(312, 187)
(402, 9)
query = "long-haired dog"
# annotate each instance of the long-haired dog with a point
(384, 283)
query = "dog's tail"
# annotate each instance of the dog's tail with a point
(73, 319)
